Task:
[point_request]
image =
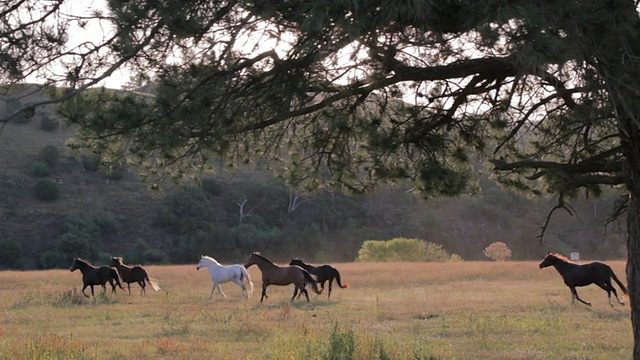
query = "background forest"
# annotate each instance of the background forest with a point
(56, 204)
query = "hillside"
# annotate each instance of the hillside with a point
(36, 224)
(180, 224)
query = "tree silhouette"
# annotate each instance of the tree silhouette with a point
(353, 93)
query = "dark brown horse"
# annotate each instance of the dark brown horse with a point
(322, 272)
(273, 274)
(575, 275)
(92, 275)
(133, 274)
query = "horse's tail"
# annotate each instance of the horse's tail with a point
(346, 284)
(311, 280)
(615, 278)
(244, 276)
(115, 274)
(153, 284)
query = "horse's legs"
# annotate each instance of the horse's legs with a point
(330, 286)
(84, 287)
(575, 295)
(220, 290)
(213, 288)
(615, 292)
(242, 286)
(300, 293)
(129, 288)
(143, 286)
(264, 291)
(608, 287)
(306, 293)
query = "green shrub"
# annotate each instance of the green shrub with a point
(211, 187)
(53, 259)
(143, 253)
(47, 190)
(186, 211)
(91, 163)
(107, 223)
(48, 124)
(49, 155)
(402, 249)
(40, 169)
(342, 345)
(13, 106)
(81, 238)
(10, 254)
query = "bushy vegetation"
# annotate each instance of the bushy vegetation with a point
(40, 169)
(81, 238)
(50, 155)
(49, 124)
(232, 216)
(402, 249)
(47, 190)
(91, 162)
(12, 106)
(498, 251)
(141, 252)
(10, 257)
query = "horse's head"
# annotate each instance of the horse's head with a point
(549, 260)
(252, 260)
(201, 264)
(77, 263)
(116, 261)
(297, 262)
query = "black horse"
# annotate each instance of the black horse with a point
(323, 273)
(92, 275)
(582, 275)
(131, 274)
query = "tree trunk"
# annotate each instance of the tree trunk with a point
(615, 51)
(633, 270)
(630, 140)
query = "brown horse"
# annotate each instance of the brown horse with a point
(273, 274)
(133, 274)
(582, 275)
(92, 275)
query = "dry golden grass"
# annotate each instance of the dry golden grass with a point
(468, 310)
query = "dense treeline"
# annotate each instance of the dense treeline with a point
(229, 218)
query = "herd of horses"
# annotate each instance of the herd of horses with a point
(114, 274)
(301, 274)
(298, 273)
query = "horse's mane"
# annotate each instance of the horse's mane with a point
(561, 257)
(210, 258)
(84, 261)
(262, 257)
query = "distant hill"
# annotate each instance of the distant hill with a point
(324, 228)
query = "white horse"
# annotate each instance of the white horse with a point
(221, 274)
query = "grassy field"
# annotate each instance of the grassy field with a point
(468, 310)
